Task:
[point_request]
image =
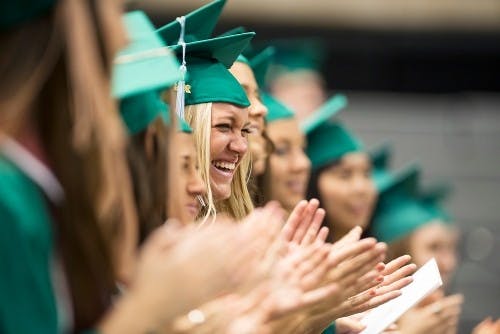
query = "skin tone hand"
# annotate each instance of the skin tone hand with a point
(303, 226)
(440, 316)
(487, 326)
(174, 254)
(352, 325)
(396, 275)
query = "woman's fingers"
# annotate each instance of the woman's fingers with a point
(307, 217)
(293, 221)
(314, 227)
(352, 236)
(395, 264)
(405, 271)
(339, 255)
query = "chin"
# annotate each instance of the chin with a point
(221, 193)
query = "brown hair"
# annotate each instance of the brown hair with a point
(398, 248)
(149, 176)
(55, 73)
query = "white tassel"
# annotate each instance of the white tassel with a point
(180, 98)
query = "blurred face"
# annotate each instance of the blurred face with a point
(303, 92)
(290, 167)
(257, 112)
(188, 180)
(348, 193)
(438, 241)
(228, 145)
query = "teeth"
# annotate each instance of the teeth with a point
(226, 165)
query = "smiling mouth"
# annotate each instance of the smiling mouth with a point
(224, 166)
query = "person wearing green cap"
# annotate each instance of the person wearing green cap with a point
(296, 78)
(243, 71)
(66, 208)
(217, 111)
(412, 221)
(289, 166)
(341, 176)
(141, 72)
(61, 164)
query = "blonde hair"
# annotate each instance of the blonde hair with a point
(239, 204)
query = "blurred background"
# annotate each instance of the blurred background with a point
(423, 74)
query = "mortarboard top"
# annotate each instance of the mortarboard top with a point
(145, 64)
(260, 64)
(209, 79)
(199, 24)
(324, 113)
(140, 72)
(275, 109)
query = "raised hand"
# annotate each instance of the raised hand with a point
(440, 316)
(303, 226)
(396, 275)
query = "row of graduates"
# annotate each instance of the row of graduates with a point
(123, 220)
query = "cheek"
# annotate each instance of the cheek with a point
(278, 169)
(218, 142)
(330, 189)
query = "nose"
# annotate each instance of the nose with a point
(258, 109)
(447, 261)
(362, 184)
(195, 185)
(300, 161)
(239, 144)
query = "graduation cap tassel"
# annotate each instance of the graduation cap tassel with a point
(179, 105)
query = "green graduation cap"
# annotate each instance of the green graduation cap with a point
(275, 109)
(329, 109)
(209, 79)
(16, 12)
(329, 142)
(140, 110)
(433, 197)
(380, 157)
(401, 209)
(260, 64)
(145, 64)
(296, 55)
(140, 72)
(199, 24)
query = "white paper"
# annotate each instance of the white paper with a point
(425, 281)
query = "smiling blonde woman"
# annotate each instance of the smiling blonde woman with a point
(217, 111)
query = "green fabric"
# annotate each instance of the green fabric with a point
(299, 54)
(182, 125)
(402, 207)
(145, 64)
(139, 111)
(260, 65)
(329, 109)
(329, 142)
(199, 24)
(27, 300)
(242, 59)
(207, 64)
(330, 329)
(380, 157)
(433, 196)
(16, 12)
(275, 109)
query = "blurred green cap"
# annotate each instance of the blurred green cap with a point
(275, 109)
